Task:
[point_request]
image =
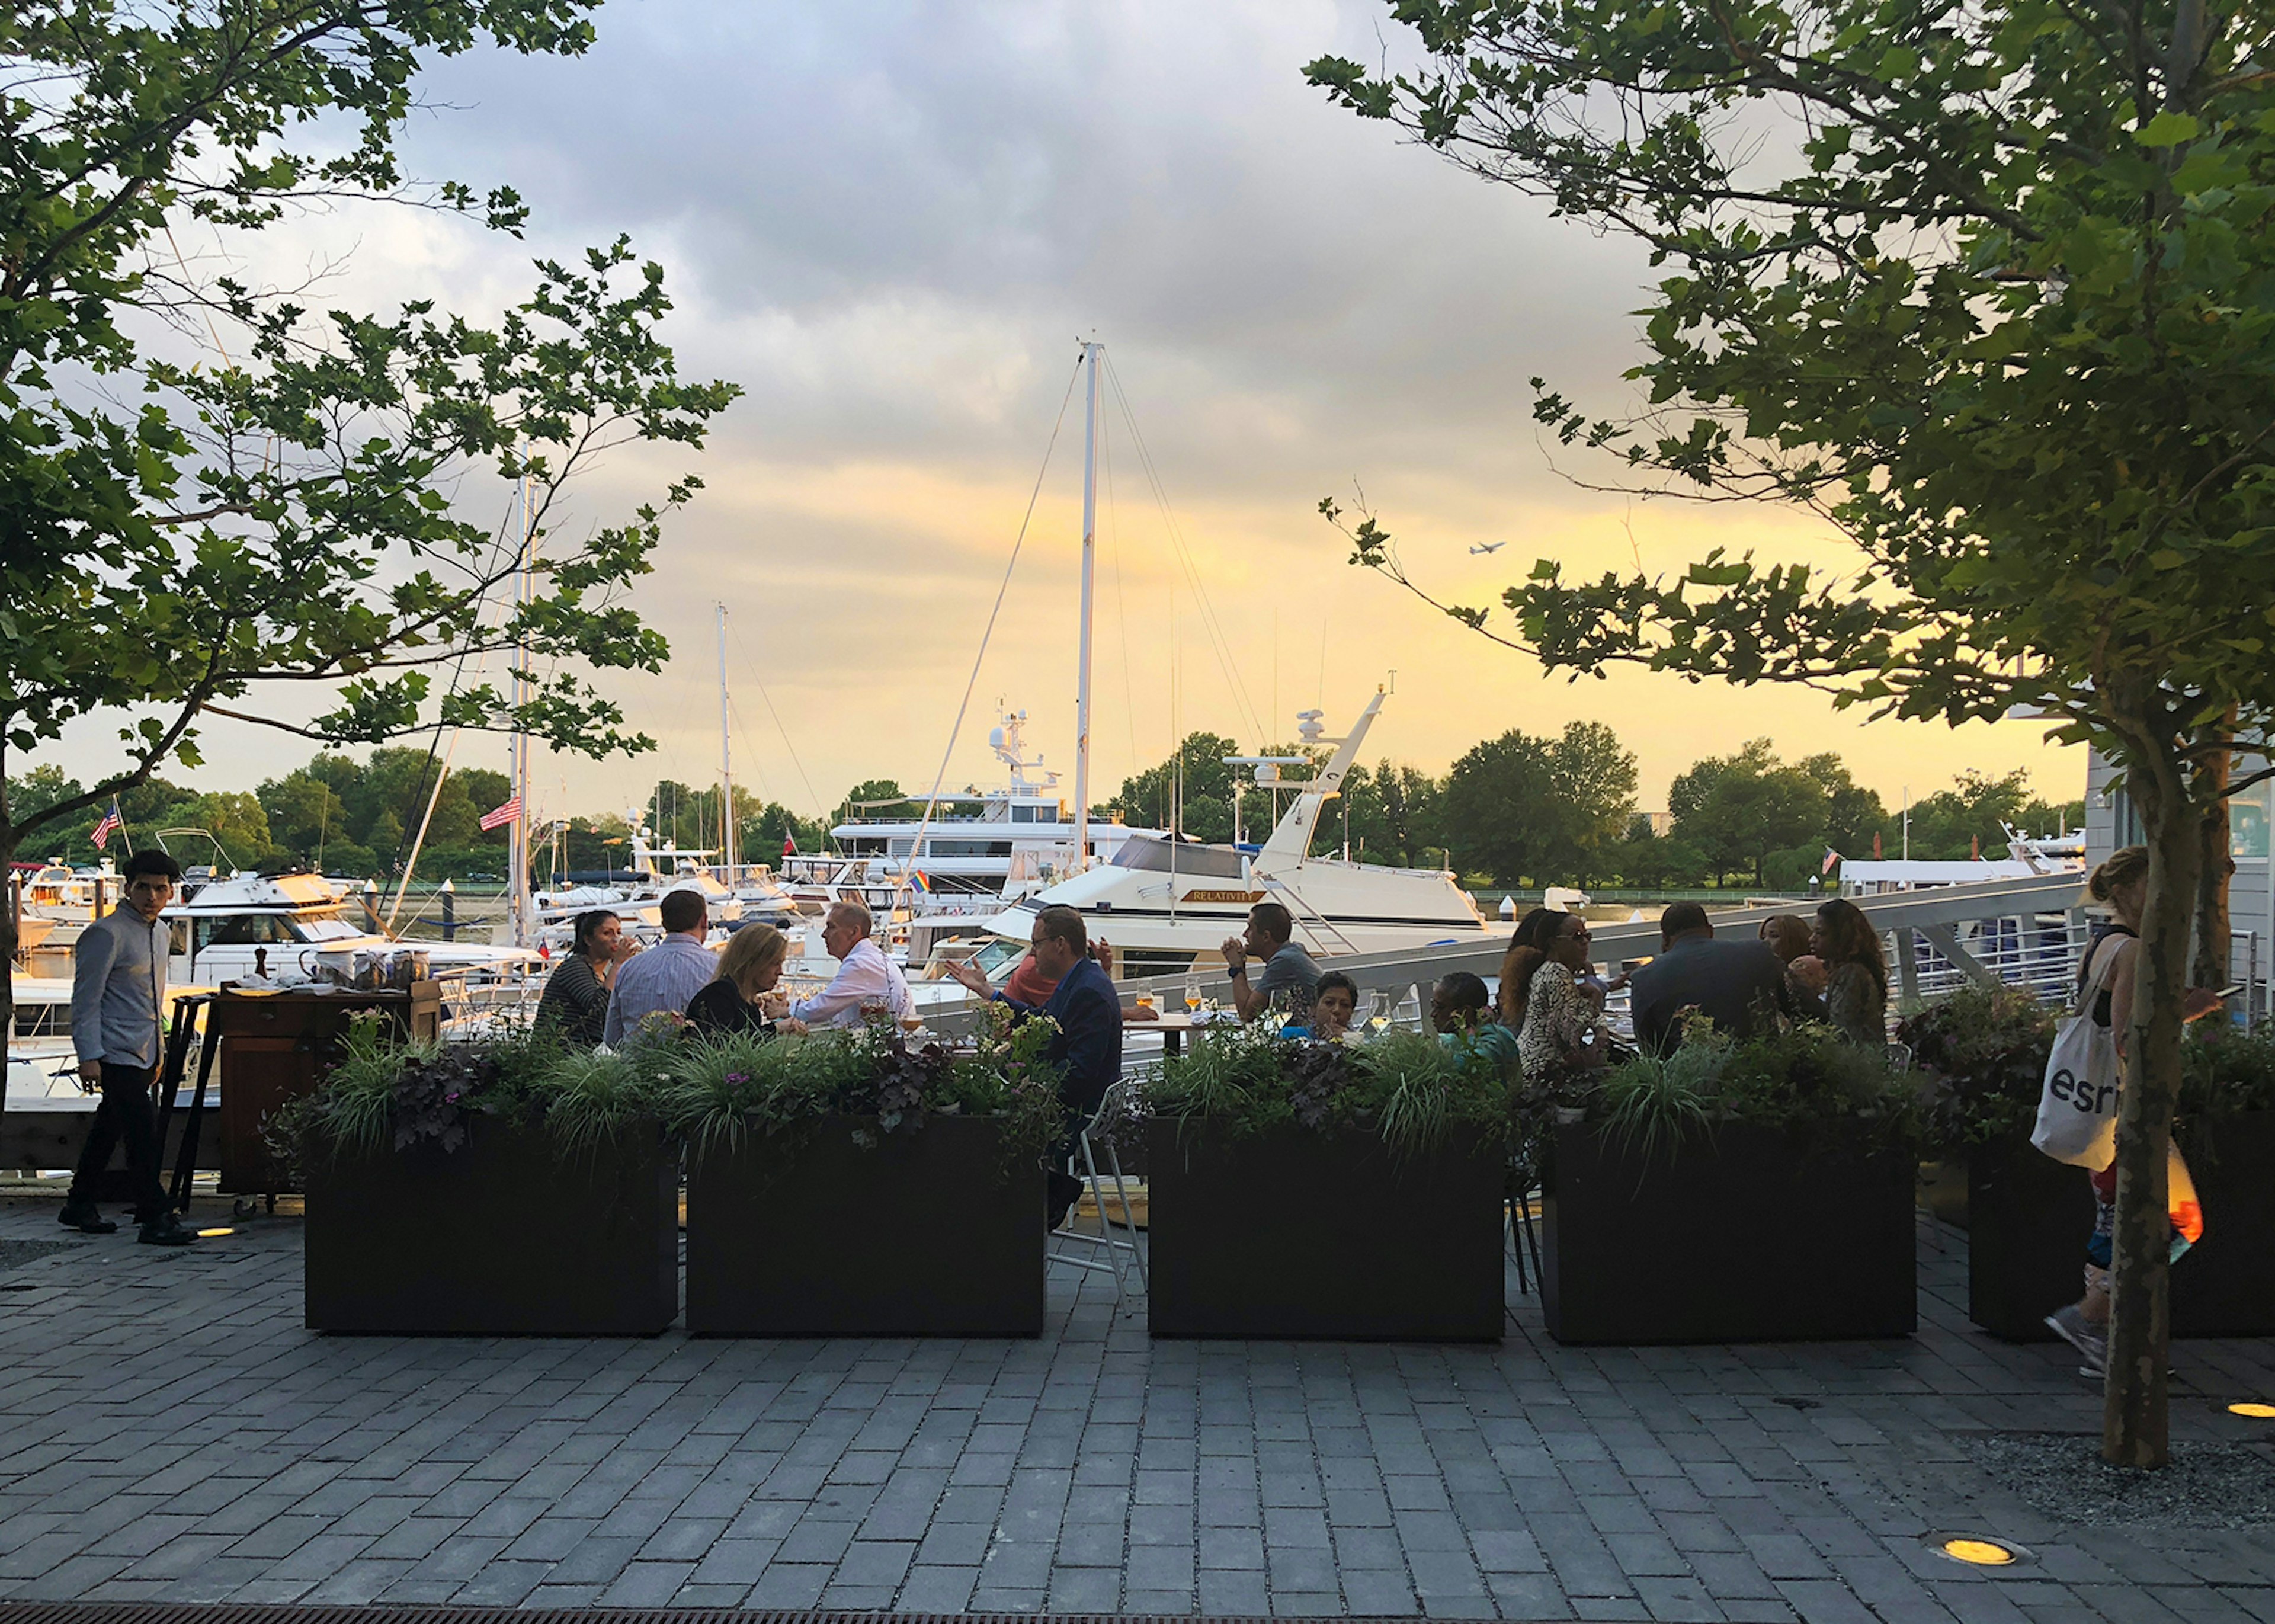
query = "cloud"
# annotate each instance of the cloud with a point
(890, 224)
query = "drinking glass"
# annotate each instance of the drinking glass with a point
(1192, 996)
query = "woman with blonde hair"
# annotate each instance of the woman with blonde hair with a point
(2119, 887)
(735, 1000)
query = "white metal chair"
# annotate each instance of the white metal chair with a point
(1104, 1251)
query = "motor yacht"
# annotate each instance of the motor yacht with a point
(290, 923)
(1167, 904)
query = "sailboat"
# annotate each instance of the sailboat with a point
(1167, 904)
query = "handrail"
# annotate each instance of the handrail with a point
(1618, 942)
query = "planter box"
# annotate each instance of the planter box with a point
(504, 1236)
(813, 1235)
(2028, 1217)
(1747, 1235)
(1295, 1233)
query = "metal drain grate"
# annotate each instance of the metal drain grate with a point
(228, 1614)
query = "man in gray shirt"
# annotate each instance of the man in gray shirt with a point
(1290, 974)
(119, 999)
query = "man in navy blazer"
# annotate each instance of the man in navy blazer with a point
(1087, 1047)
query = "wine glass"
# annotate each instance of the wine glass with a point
(1192, 996)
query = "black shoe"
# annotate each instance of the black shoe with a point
(88, 1219)
(165, 1230)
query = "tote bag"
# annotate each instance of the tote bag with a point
(2077, 1106)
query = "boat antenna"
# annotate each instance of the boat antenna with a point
(1089, 354)
(726, 759)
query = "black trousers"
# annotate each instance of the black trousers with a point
(1064, 1180)
(125, 1113)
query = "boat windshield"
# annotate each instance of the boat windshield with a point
(324, 927)
(1161, 856)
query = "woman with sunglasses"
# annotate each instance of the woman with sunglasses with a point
(1558, 1027)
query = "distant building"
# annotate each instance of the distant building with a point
(2112, 820)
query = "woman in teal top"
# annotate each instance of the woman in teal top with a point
(1461, 1012)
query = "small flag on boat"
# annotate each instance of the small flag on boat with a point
(504, 814)
(789, 846)
(1831, 857)
(110, 824)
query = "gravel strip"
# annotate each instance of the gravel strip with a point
(2062, 1473)
(14, 1254)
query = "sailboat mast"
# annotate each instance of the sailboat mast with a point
(1089, 566)
(726, 759)
(518, 837)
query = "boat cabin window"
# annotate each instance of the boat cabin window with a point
(1158, 856)
(43, 1020)
(245, 930)
(968, 847)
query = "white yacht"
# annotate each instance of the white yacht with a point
(968, 853)
(1167, 904)
(293, 922)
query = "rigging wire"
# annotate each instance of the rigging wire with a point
(932, 801)
(750, 666)
(1219, 643)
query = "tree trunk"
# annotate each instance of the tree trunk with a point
(2211, 966)
(2134, 1420)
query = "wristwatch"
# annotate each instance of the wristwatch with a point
(1240, 969)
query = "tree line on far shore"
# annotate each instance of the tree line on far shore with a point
(1524, 810)
(1514, 810)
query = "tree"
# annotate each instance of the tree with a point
(1591, 781)
(1853, 813)
(1987, 290)
(1151, 798)
(1739, 808)
(306, 814)
(1496, 810)
(212, 497)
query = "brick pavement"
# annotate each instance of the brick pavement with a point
(169, 1431)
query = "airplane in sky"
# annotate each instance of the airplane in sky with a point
(1487, 547)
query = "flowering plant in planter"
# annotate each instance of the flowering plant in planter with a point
(717, 1091)
(1984, 1051)
(1808, 1081)
(1406, 1088)
(386, 1092)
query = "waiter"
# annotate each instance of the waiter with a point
(118, 1000)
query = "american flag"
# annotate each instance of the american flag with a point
(1831, 857)
(504, 814)
(111, 823)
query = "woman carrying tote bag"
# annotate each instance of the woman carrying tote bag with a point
(2077, 1112)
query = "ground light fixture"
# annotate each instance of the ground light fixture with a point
(208, 1235)
(1976, 1550)
(1979, 1553)
(2256, 1410)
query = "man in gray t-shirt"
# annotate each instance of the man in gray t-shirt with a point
(1290, 977)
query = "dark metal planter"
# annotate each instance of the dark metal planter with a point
(2028, 1217)
(1749, 1235)
(504, 1236)
(814, 1235)
(1291, 1233)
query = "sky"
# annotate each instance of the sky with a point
(892, 224)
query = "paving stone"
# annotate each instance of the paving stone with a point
(1093, 1468)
